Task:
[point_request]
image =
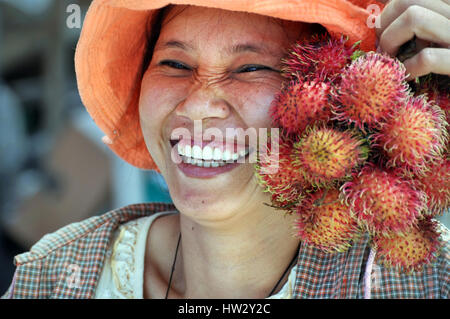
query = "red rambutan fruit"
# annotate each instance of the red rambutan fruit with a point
(439, 97)
(370, 88)
(436, 95)
(382, 201)
(321, 58)
(442, 99)
(414, 135)
(285, 202)
(326, 222)
(299, 104)
(277, 175)
(411, 251)
(436, 184)
(326, 155)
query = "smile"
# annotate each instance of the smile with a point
(209, 156)
(209, 160)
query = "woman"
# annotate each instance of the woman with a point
(218, 66)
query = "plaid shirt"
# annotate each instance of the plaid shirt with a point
(68, 264)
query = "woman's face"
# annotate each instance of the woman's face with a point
(219, 69)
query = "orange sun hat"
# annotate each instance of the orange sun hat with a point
(110, 54)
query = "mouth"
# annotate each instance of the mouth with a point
(208, 160)
(209, 155)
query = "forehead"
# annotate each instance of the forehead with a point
(185, 26)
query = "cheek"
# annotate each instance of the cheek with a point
(154, 107)
(254, 101)
(158, 99)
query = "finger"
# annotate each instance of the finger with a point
(423, 23)
(429, 60)
(395, 8)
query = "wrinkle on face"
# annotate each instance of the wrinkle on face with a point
(213, 46)
(210, 77)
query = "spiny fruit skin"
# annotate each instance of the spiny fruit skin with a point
(327, 155)
(286, 203)
(409, 252)
(442, 99)
(382, 201)
(439, 97)
(414, 135)
(436, 184)
(320, 58)
(325, 222)
(278, 176)
(370, 88)
(299, 104)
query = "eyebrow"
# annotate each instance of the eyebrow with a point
(233, 50)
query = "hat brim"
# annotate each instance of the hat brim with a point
(109, 55)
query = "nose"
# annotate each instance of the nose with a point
(203, 103)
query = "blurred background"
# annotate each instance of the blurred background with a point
(54, 169)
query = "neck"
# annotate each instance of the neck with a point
(232, 259)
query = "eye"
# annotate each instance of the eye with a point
(174, 64)
(252, 68)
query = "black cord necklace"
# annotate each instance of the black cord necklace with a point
(173, 266)
(271, 292)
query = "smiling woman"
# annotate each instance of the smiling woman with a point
(154, 70)
(225, 83)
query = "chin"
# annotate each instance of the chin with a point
(219, 197)
(210, 204)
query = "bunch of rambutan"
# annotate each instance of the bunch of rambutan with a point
(359, 152)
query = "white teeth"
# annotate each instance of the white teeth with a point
(226, 155)
(187, 150)
(208, 156)
(214, 164)
(197, 152)
(207, 153)
(201, 163)
(217, 156)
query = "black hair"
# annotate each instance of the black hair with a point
(154, 24)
